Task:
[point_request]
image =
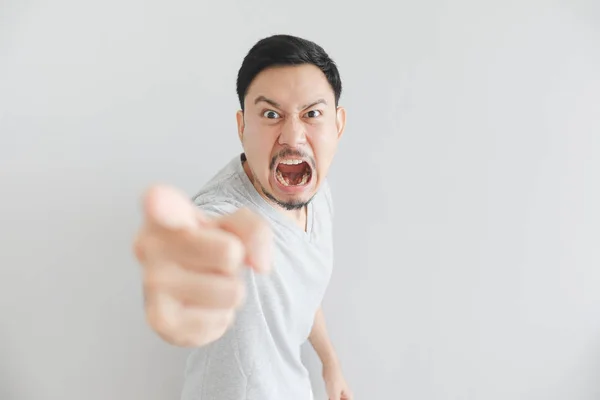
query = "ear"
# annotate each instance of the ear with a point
(239, 116)
(340, 121)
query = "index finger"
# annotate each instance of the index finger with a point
(166, 207)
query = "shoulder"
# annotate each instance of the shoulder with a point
(219, 198)
(221, 194)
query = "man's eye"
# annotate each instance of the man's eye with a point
(313, 114)
(270, 114)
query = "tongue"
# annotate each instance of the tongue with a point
(293, 173)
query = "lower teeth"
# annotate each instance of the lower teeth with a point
(304, 179)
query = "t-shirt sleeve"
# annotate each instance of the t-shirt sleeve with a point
(215, 208)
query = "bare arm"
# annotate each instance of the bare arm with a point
(320, 341)
(335, 383)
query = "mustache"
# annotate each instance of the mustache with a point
(292, 153)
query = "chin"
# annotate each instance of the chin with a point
(290, 197)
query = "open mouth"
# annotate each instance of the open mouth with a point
(294, 172)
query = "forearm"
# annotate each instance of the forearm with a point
(319, 338)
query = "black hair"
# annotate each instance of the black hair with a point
(284, 50)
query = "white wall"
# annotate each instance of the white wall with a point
(467, 189)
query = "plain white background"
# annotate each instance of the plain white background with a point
(466, 187)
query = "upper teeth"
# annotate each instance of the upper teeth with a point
(291, 162)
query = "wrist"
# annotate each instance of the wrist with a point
(330, 363)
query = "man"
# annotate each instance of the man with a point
(268, 209)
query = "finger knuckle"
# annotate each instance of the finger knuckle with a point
(163, 323)
(231, 252)
(232, 294)
(225, 320)
(155, 281)
(193, 337)
(149, 247)
(208, 332)
(252, 218)
(262, 229)
(239, 295)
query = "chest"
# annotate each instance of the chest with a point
(294, 289)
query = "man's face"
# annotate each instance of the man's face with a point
(290, 130)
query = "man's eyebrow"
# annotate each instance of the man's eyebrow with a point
(320, 101)
(267, 100)
(276, 104)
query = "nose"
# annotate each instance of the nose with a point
(293, 133)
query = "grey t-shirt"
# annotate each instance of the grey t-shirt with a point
(258, 358)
